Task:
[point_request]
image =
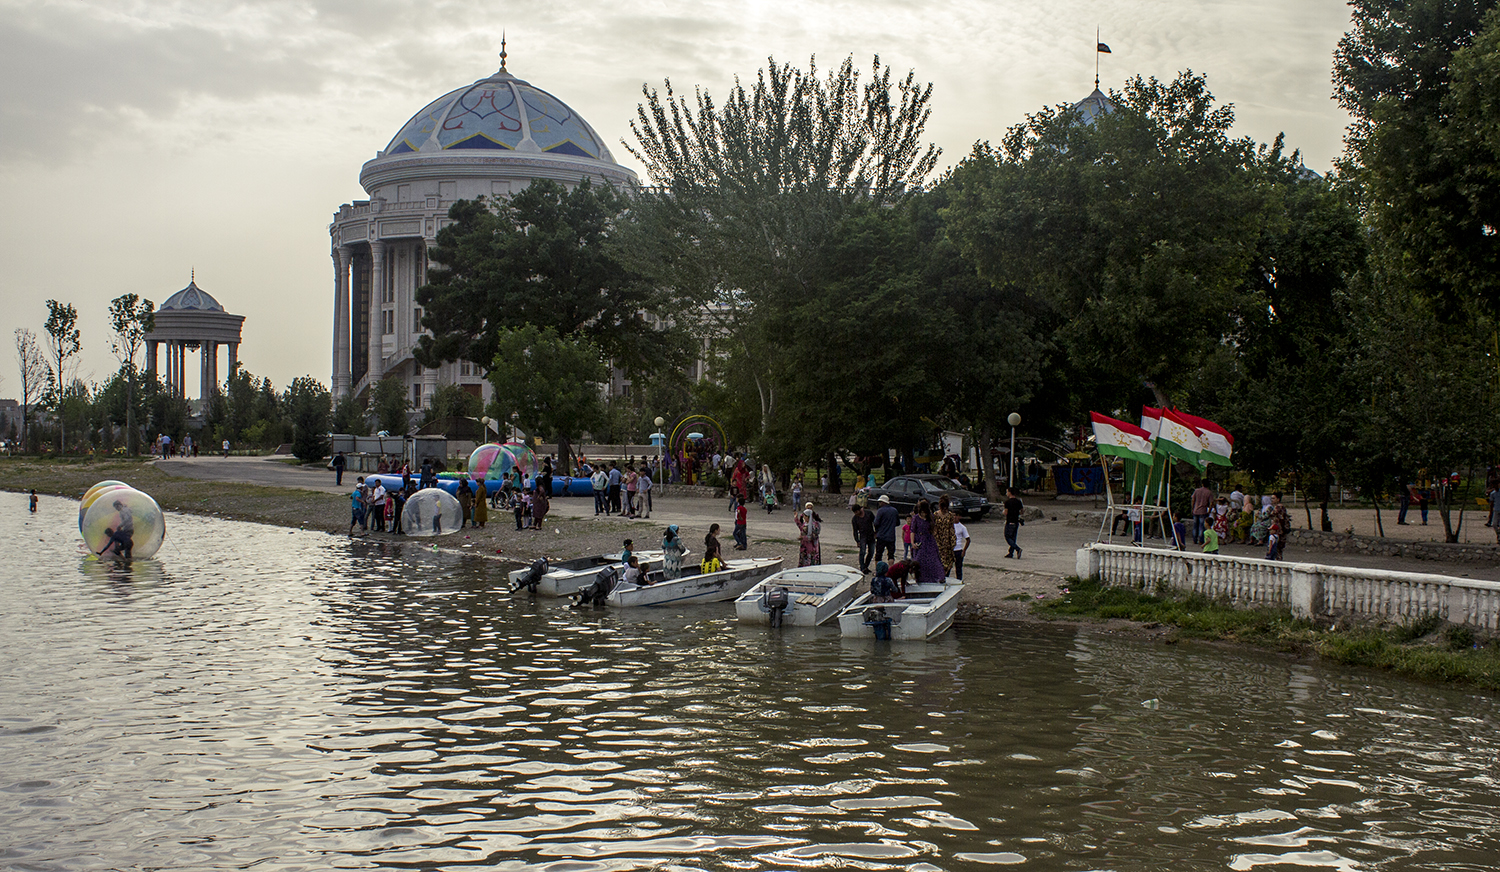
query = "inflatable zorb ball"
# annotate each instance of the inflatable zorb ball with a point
(93, 494)
(431, 511)
(482, 463)
(125, 523)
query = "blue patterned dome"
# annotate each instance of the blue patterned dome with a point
(499, 113)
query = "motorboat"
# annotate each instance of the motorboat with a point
(923, 613)
(568, 577)
(803, 597)
(692, 586)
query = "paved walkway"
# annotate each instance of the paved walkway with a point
(1048, 545)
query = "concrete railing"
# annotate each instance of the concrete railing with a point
(1307, 590)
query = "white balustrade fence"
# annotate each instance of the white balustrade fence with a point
(1307, 589)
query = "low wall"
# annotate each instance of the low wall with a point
(1307, 590)
(1351, 544)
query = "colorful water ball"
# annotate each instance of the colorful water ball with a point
(125, 523)
(517, 456)
(92, 494)
(431, 511)
(482, 462)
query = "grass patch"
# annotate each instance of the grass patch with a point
(1424, 649)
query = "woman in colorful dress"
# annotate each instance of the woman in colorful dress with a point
(944, 534)
(924, 545)
(809, 526)
(672, 550)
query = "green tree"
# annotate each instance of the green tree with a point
(349, 418)
(62, 344)
(32, 365)
(1137, 228)
(131, 318)
(544, 257)
(1417, 76)
(310, 408)
(452, 401)
(750, 193)
(551, 384)
(388, 403)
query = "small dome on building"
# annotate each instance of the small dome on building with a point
(192, 297)
(1093, 106)
(502, 113)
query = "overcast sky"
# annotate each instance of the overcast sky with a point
(142, 140)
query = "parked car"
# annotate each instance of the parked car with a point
(905, 490)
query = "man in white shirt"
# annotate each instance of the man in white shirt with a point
(600, 481)
(377, 508)
(960, 547)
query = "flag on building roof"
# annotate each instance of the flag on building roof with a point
(1218, 445)
(1122, 439)
(1178, 438)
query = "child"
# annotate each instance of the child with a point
(518, 505)
(33, 501)
(633, 572)
(627, 552)
(882, 589)
(1211, 540)
(906, 540)
(1273, 538)
(741, 541)
(1179, 532)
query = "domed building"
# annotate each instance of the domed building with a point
(491, 138)
(192, 320)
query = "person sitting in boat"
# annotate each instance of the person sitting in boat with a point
(882, 589)
(627, 552)
(633, 573)
(713, 555)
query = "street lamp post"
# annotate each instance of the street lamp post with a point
(661, 446)
(1015, 421)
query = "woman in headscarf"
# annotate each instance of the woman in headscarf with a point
(672, 550)
(481, 504)
(809, 526)
(943, 533)
(924, 545)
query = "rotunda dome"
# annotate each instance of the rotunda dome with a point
(191, 298)
(500, 118)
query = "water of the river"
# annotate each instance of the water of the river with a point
(259, 698)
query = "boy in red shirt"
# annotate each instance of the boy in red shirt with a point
(740, 541)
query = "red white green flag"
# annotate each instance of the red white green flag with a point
(1178, 438)
(1116, 438)
(1217, 444)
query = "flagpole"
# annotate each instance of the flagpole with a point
(1096, 57)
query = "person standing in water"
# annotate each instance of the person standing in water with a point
(33, 501)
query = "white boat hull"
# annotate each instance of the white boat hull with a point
(815, 595)
(571, 576)
(924, 613)
(735, 578)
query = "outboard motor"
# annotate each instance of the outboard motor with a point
(598, 592)
(533, 577)
(776, 602)
(878, 620)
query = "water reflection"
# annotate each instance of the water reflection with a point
(266, 697)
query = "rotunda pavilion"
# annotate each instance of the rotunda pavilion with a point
(490, 139)
(192, 320)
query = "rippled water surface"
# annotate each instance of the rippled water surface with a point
(271, 699)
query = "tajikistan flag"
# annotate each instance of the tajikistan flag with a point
(1150, 420)
(1178, 438)
(1216, 441)
(1122, 439)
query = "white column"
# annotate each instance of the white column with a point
(377, 293)
(203, 359)
(341, 359)
(429, 375)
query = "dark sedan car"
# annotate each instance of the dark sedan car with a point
(905, 490)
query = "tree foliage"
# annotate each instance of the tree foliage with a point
(131, 318)
(388, 405)
(551, 385)
(309, 407)
(751, 192)
(32, 366)
(544, 257)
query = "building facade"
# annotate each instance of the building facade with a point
(488, 139)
